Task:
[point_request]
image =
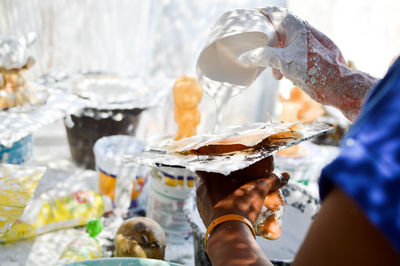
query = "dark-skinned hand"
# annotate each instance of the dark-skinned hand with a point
(241, 192)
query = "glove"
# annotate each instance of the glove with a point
(312, 62)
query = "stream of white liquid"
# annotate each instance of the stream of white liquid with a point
(225, 76)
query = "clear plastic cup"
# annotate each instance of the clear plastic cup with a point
(122, 182)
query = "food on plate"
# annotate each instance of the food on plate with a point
(140, 237)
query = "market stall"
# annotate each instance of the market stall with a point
(103, 137)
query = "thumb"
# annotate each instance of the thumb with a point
(263, 186)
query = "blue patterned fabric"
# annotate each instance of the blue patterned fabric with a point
(368, 166)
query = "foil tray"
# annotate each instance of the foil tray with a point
(229, 162)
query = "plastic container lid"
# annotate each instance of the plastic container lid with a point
(115, 147)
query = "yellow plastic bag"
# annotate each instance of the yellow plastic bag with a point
(17, 185)
(63, 212)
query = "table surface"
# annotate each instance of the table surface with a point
(63, 177)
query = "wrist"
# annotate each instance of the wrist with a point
(232, 243)
(228, 231)
(356, 85)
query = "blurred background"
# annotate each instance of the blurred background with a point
(164, 37)
(160, 40)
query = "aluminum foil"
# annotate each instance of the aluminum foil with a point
(18, 123)
(14, 51)
(70, 94)
(110, 91)
(271, 137)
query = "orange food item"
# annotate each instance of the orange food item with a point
(187, 96)
(270, 226)
(299, 107)
(12, 89)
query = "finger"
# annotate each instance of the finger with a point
(281, 181)
(261, 187)
(201, 174)
(198, 181)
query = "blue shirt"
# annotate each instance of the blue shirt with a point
(368, 166)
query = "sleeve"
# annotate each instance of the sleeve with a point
(368, 166)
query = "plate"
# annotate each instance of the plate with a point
(123, 262)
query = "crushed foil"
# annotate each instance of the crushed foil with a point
(14, 51)
(104, 91)
(18, 123)
(71, 93)
(162, 155)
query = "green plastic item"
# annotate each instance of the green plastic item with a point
(94, 227)
(123, 262)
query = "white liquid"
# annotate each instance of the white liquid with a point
(225, 76)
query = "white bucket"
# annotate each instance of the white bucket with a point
(169, 187)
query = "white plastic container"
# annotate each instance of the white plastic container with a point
(122, 182)
(168, 189)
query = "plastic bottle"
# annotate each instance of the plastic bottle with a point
(85, 247)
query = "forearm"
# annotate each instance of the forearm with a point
(350, 96)
(232, 243)
(346, 91)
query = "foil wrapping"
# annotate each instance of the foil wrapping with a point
(14, 51)
(270, 138)
(18, 123)
(104, 91)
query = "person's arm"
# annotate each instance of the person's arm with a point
(243, 193)
(339, 235)
(314, 63)
(232, 243)
(334, 83)
(342, 235)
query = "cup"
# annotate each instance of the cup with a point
(20, 151)
(224, 66)
(122, 182)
